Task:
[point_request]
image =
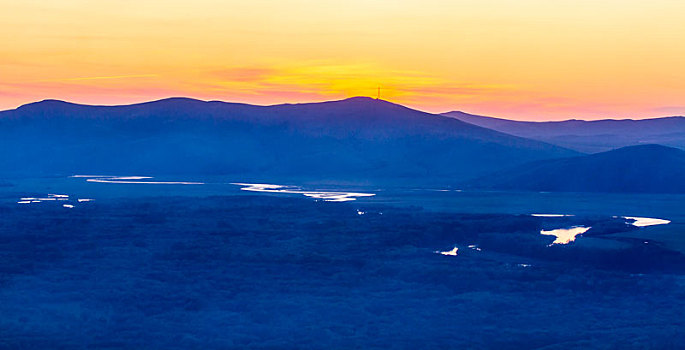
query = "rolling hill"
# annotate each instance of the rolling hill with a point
(589, 136)
(357, 139)
(634, 169)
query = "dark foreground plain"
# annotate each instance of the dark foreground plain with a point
(265, 272)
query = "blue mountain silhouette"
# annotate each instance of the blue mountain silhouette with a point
(638, 169)
(357, 139)
(589, 136)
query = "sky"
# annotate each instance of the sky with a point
(517, 59)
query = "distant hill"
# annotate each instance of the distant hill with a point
(637, 169)
(589, 136)
(357, 139)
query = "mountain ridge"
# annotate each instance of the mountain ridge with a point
(588, 136)
(356, 138)
(467, 114)
(632, 169)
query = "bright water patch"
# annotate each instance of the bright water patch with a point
(452, 252)
(565, 235)
(551, 215)
(64, 199)
(323, 195)
(50, 198)
(132, 180)
(642, 222)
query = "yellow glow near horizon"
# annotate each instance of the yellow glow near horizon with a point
(524, 59)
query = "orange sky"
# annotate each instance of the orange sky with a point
(521, 59)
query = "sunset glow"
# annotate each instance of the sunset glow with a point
(521, 59)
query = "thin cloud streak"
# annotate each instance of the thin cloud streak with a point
(99, 78)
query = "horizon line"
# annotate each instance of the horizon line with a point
(325, 101)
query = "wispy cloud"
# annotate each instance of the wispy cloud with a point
(129, 76)
(330, 79)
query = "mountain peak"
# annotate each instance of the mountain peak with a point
(176, 99)
(48, 102)
(359, 98)
(46, 105)
(362, 101)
